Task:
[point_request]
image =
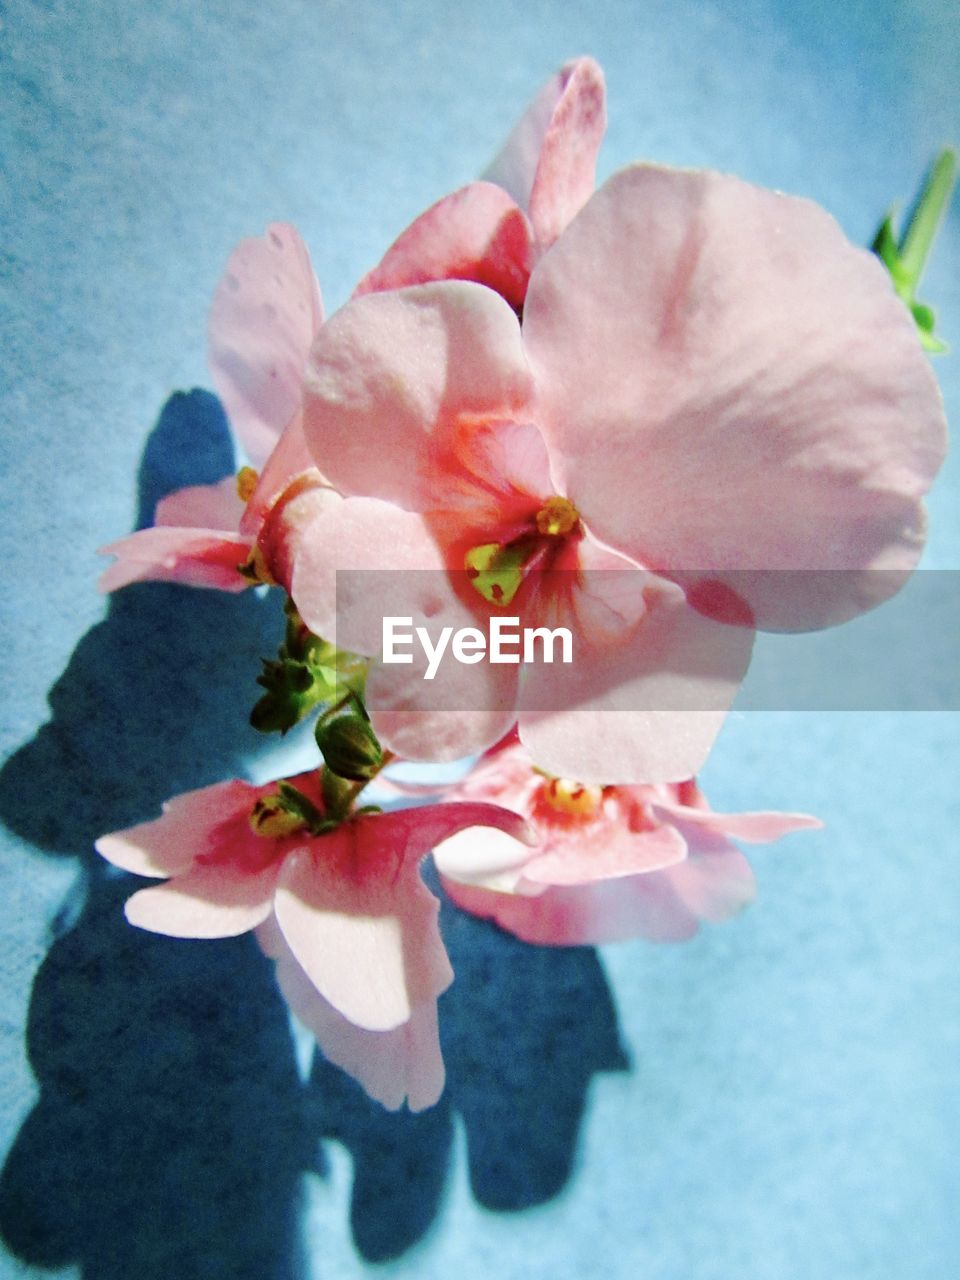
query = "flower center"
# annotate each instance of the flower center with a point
(557, 517)
(580, 800)
(497, 569)
(273, 821)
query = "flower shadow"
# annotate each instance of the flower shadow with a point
(169, 1136)
(172, 1128)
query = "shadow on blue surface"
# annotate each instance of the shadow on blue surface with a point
(172, 1127)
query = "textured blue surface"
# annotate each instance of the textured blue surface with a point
(776, 1100)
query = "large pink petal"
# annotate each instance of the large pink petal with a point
(361, 922)
(644, 709)
(548, 162)
(363, 560)
(202, 506)
(477, 233)
(392, 376)
(265, 314)
(218, 901)
(402, 1065)
(762, 398)
(194, 557)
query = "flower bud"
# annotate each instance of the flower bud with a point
(350, 747)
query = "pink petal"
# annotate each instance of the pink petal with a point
(393, 375)
(265, 314)
(292, 523)
(645, 709)
(611, 852)
(548, 163)
(361, 922)
(202, 506)
(477, 233)
(186, 830)
(754, 828)
(288, 461)
(585, 915)
(207, 902)
(402, 1065)
(762, 398)
(194, 557)
(714, 886)
(387, 562)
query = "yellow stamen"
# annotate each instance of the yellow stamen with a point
(576, 798)
(246, 483)
(557, 517)
(272, 821)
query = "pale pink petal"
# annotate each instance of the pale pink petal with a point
(714, 886)
(754, 828)
(360, 920)
(193, 557)
(611, 852)
(646, 709)
(549, 160)
(589, 915)
(402, 1065)
(363, 560)
(477, 233)
(216, 901)
(762, 398)
(202, 506)
(191, 826)
(265, 314)
(391, 378)
(462, 710)
(488, 859)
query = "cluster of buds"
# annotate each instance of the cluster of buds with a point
(629, 415)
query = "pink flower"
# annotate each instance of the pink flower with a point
(345, 915)
(265, 315)
(612, 862)
(711, 390)
(494, 231)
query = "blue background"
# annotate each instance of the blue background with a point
(775, 1100)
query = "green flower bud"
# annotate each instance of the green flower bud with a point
(350, 747)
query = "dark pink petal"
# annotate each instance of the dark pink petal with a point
(361, 922)
(189, 828)
(393, 376)
(549, 161)
(202, 506)
(758, 392)
(402, 1065)
(194, 557)
(645, 708)
(477, 233)
(215, 901)
(265, 314)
